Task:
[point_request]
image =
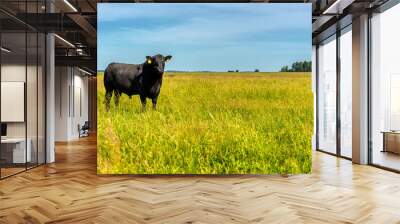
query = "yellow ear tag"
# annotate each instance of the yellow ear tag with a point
(148, 61)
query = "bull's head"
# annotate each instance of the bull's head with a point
(157, 62)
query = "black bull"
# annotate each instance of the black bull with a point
(135, 79)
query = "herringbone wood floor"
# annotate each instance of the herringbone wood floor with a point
(69, 191)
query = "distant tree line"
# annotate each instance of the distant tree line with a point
(255, 70)
(298, 66)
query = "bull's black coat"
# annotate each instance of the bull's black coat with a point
(135, 79)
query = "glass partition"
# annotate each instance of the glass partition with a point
(41, 96)
(32, 97)
(32, 86)
(22, 77)
(14, 153)
(327, 95)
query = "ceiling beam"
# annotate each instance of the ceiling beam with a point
(338, 6)
(86, 27)
(79, 61)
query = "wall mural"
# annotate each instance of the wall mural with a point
(204, 89)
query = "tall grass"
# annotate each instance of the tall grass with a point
(211, 123)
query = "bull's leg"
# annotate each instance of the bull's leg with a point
(108, 99)
(143, 100)
(154, 101)
(117, 94)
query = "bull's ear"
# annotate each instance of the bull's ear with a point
(149, 60)
(167, 58)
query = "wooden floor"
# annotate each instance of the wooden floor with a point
(69, 191)
(387, 159)
(5, 172)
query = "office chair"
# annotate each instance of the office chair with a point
(84, 130)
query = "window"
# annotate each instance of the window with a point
(385, 89)
(346, 92)
(327, 95)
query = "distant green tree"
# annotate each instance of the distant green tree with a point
(298, 66)
(285, 69)
(256, 70)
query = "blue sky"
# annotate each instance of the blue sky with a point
(205, 37)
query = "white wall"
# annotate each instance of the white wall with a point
(70, 84)
(12, 73)
(62, 81)
(33, 126)
(81, 84)
(13, 101)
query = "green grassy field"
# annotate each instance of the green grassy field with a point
(210, 123)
